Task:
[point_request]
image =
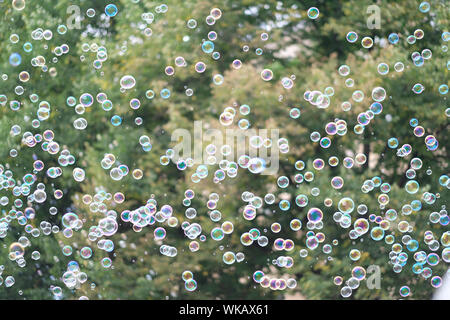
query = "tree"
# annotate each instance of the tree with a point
(141, 41)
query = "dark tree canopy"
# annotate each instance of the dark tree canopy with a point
(97, 203)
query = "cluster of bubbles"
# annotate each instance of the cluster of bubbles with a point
(273, 283)
(73, 278)
(351, 215)
(189, 282)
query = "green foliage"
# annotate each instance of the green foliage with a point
(139, 270)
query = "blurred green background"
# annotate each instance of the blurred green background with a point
(312, 50)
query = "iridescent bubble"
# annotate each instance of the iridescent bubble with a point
(267, 74)
(393, 38)
(424, 6)
(18, 5)
(412, 186)
(352, 37)
(111, 10)
(229, 257)
(192, 24)
(312, 242)
(116, 120)
(208, 46)
(377, 233)
(418, 88)
(287, 83)
(419, 34)
(106, 262)
(15, 59)
(86, 252)
(200, 67)
(159, 233)
(313, 13)
(127, 82)
(443, 89)
(217, 234)
(344, 70)
(315, 215)
(187, 275)
(190, 285)
(318, 164)
(367, 42)
(359, 273)
(78, 174)
(355, 254)
(165, 93)
(436, 282)
(218, 79)
(405, 291)
(337, 182)
(236, 64)
(346, 205)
